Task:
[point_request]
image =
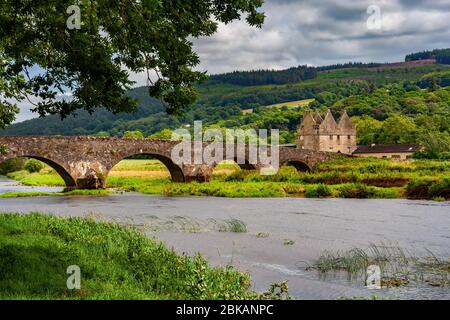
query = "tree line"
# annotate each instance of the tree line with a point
(442, 56)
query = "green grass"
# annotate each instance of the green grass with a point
(48, 178)
(341, 178)
(139, 165)
(115, 263)
(292, 104)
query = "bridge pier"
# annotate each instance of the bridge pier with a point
(199, 172)
(88, 175)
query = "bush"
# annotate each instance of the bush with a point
(33, 166)
(12, 165)
(440, 189)
(320, 191)
(425, 188)
(444, 156)
(133, 134)
(354, 190)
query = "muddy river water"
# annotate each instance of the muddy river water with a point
(282, 236)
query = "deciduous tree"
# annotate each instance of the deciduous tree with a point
(42, 55)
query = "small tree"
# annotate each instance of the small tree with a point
(33, 166)
(12, 165)
(103, 134)
(165, 134)
(133, 134)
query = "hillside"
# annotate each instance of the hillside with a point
(221, 99)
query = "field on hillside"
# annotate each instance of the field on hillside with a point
(292, 104)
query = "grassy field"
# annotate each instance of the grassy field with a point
(115, 263)
(292, 104)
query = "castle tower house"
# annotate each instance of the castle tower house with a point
(324, 134)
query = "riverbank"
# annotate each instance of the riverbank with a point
(278, 239)
(344, 178)
(115, 263)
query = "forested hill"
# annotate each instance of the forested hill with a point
(222, 98)
(262, 77)
(440, 55)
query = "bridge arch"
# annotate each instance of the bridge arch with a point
(176, 172)
(300, 165)
(63, 173)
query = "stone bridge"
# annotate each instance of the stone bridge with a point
(85, 162)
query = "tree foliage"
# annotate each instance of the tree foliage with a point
(133, 134)
(41, 57)
(263, 77)
(441, 55)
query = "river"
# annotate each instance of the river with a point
(283, 235)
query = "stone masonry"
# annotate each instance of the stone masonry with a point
(325, 135)
(85, 162)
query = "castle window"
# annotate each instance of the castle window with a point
(339, 137)
(331, 137)
(349, 137)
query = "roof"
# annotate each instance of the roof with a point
(389, 148)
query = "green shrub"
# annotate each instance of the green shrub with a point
(440, 189)
(133, 134)
(319, 191)
(418, 188)
(33, 166)
(12, 165)
(444, 156)
(354, 190)
(385, 193)
(373, 168)
(428, 188)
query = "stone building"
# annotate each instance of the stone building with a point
(324, 134)
(388, 151)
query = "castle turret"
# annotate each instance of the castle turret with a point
(345, 125)
(318, 118)
(328, 125)
(347, 133)
(307, 132)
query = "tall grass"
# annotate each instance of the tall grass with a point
(115, 263)
(398, 266)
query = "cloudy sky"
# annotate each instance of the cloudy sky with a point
(322, 32)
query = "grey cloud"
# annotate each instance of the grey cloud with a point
(327, 31)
